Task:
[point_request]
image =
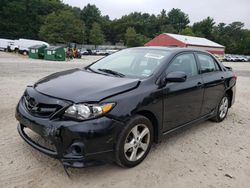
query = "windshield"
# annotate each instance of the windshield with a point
(135, 62)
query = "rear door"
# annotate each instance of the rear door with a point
(214, 82)
(182, 101)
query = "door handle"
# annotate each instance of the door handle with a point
(222, 78)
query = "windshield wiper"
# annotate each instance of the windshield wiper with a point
(112, 72)
(88, 68)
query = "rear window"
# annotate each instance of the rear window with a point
(208, 64)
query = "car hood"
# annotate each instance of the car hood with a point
(78, 85)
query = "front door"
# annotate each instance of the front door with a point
(183, 101)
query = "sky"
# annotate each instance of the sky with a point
(226, 11)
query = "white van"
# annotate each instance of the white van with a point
(5, 43)
(23, 45)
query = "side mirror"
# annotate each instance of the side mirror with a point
(177, 76)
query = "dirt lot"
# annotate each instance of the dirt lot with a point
(207, 155)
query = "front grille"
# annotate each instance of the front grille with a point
(40, 108)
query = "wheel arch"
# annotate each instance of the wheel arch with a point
(151, 116)
(229, 93)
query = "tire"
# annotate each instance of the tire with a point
(132, 148)
(222, 109)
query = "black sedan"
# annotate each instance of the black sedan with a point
(114, 109)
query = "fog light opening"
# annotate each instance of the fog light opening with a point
(77, 148)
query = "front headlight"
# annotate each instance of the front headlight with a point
(87, 111)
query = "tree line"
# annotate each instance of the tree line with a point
(56, 22)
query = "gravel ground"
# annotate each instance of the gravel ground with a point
(206, 155)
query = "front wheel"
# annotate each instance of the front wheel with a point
(134, 142)
(222, 109)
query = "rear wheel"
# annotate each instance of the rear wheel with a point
(222, 109)
(134, 142)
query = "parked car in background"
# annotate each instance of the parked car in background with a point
(114, 109)
(111, 51)
(236, 58)
(85, 51)
(93, 52)
(22, 45)
(101, 52)
(242, 59)
(228, 58)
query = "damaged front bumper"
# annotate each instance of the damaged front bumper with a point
(70, 160)
(77, 144)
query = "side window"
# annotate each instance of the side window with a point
(207, 63)
(185, 63)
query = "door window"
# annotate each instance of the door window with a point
(207, 63)
(185, 63)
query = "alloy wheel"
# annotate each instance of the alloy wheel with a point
(137, 142)
(223, 107)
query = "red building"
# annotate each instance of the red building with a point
(168, 39)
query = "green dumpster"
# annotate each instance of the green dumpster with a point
(37, 51)
(54, 53)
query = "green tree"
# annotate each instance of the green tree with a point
(233, 37)
(144, 24)
(178, 19)
(23, 18)
(107, 28)
(62, 27)
(187, 31)
(245, 48)
(142, 39)
(130, 37)
(237, 37)
(96, 36)
(163, 25)
(90, 14)
(204, 28)
(167, 29)
(133, 39)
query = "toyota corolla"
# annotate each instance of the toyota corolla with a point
(114, 109)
